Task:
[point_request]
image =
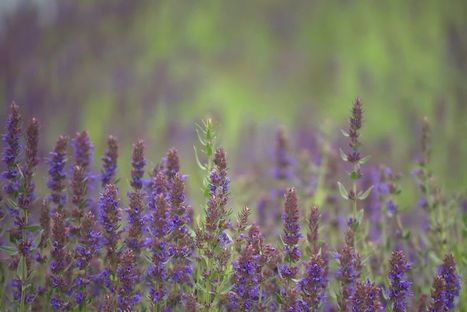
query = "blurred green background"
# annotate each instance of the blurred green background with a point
(153, 69)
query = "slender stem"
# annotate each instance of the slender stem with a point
(25, 270)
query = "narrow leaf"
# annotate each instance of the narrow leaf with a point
(343, 190)
(9, 250)
(198, 162)
(33, 227)
(363, 160)
(343, 155)
(365, 194)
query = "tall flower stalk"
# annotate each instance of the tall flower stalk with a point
(291, 236)
(110, 217)
(400, 287)
(355, 159)
(57, 173)
(109, 162)
(11, 151)
(212, 238)
(159, 230)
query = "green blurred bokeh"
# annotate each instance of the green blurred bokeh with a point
(152, 69)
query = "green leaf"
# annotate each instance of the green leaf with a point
(33, 227)
(21, 271)
(365, 194)
(343, 155)
(405, 234)
(279, 298)
(198, 162)
(364, 160)
(343, 190)
(9, 250)
(434, 257)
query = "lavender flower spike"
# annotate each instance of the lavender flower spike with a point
(110, 218)
(109, 161)
(292, 233)
(83, 149)
(366, 298)
(438, 295)
(138, 162)
(32, 139)
(136, 222)
(11, 151)
(58, 265)
(57, 175)
(172, 164)
(453, 281)
(128, 276)
(347, 273)
(400, 287)
(313, 284)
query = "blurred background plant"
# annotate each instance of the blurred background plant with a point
(153, 68)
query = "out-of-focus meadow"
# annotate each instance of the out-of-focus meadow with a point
(152, 69)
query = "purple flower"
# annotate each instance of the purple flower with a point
(347, 273)
(292, 233)
(57, 175)
(136, 222)
(313, 284)
(109, 161)
(313, 224)
(248, 276)
(453, 281)
(60, 260)
(438, 295)
(180, 239)
(89, 242)
(160, 249)
(219, 190)
(400, 287)
(83, 149)
(171, 163)
(137, 162)
(128, 278)
(27, 196)
(110, 217)
(11, 151)
(366, 297)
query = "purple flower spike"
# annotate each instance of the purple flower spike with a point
(366, 297)
(57, 175)
(32, 139)
(313, 284)
(347, 273)
(128, 277)
(110, 217)
(400, 287)
(83, 149)
(136, 222)
(11, 151)
(292, 233)
(453, 281)
(438, 295)
(109, 162)
(138, 162)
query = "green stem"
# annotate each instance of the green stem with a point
(25, 270)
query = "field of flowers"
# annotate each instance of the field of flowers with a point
(321, 230)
